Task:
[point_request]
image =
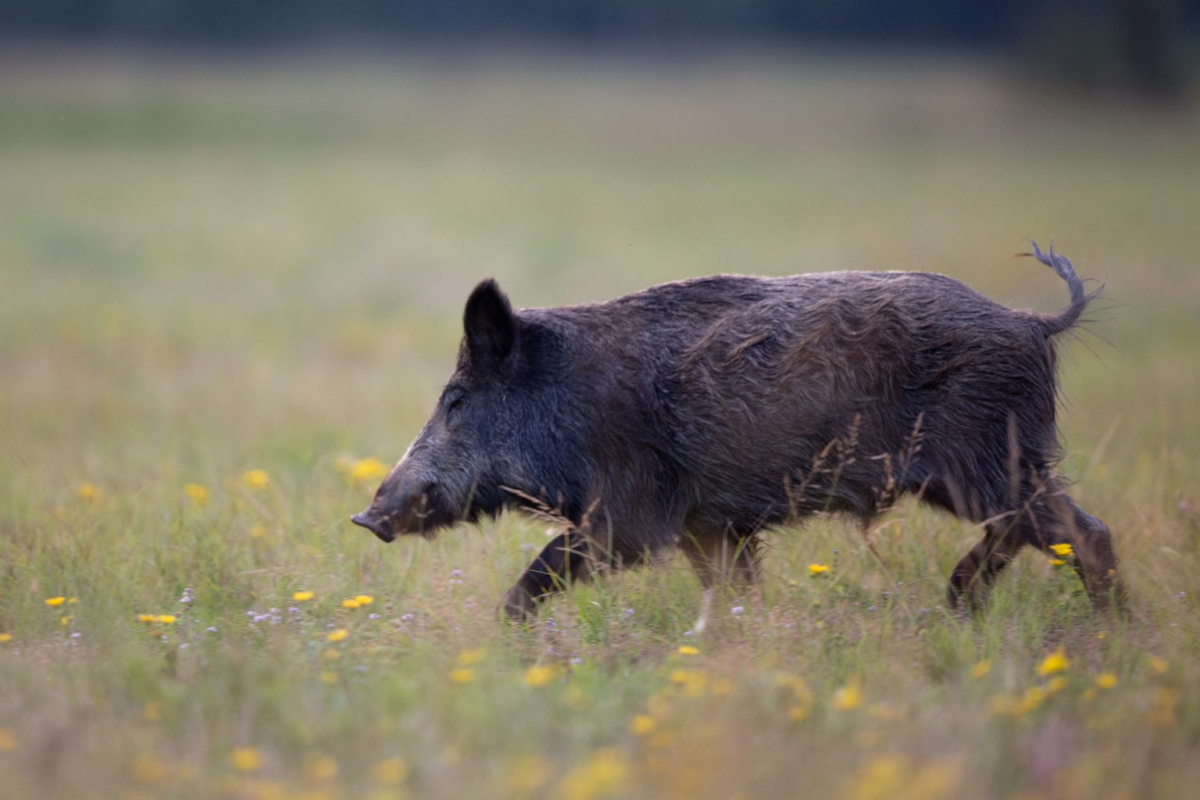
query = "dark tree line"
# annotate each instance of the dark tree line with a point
(596, 20)
(1096, 39)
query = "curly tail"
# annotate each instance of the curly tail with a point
(1070, 315)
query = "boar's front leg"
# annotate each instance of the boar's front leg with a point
(563, 560)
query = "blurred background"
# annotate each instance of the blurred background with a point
(253, 211)
(261, 218)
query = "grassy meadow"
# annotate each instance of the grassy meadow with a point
(226, 287)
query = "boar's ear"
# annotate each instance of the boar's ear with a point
(489, 324)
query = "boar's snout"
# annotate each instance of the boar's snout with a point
(405, 503)
(380, 527)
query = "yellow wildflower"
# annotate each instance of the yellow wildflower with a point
(65, 621)
(245, 759)
(339, 635)
(1157, 665)
(5, 637)
(604, 773)
(55, 601)
(8, 740)
(540, 674)
(981, 668)
(165, 619)
(817, 569)
(693, 682)
(1032, 698)
(1055, 662)
(321, 768)
(303, 596)
(89, 492)
(642, 724)
(364, 600)
(462, 675)
(1063, 550)
(886, 776)
(197, 493)
(391, 771)
(350, 602)
(147, 618)
(1055, 685)
(468, 657)
(847, 698)
(365, 471)
(688, 650)
(1106, 680)
(1057, 562)
(256, 479)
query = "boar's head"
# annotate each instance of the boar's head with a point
(489, 433)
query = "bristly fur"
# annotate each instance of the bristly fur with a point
(698, 413)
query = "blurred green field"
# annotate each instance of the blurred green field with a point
(208, 268)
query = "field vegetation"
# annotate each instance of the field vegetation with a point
(229, 294)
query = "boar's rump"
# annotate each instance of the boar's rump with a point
(699, 413)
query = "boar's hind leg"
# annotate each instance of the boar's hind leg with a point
(563, 560)
(1060, 521)
(974, 575)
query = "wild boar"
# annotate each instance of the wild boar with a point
(700, 413)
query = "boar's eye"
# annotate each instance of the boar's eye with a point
(455, 401)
